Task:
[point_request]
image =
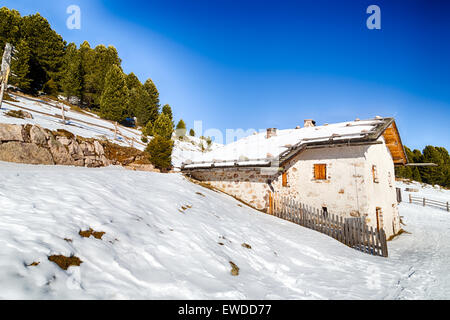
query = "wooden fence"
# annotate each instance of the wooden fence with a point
(429, 202)
(353, 232)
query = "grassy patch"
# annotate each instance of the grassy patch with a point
(15, 114)
(184, 208)
(234, 269)
(90, 232)
(402, 231)
(65, 262)
(7, 97)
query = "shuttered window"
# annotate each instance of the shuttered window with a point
(320, 171)
(285, 180)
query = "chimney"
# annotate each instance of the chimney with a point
(310, 123)
(271, 132)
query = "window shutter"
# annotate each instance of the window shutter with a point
(320, 171)
(285, 183)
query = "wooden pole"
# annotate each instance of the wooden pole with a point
(62, 113)
(6, 67)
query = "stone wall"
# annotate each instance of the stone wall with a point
(32, 144)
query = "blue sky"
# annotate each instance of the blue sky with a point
(258, 64)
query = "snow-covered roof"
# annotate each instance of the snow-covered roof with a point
(258, 150)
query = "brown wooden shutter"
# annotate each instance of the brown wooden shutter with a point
(285, 182)
(320, 171)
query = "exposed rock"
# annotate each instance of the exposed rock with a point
(25, 153)
(38, 136)
(63, 140)
(11, 132)
(59, 152)
(87, 149)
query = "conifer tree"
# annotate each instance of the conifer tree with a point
(160, 150)
(47, 50)
(192, 133)
(98, 62)
(20, 66)
(416, 175)
(153, 103)
(167, 110)
(181, 128)
(133, 81)
(163, 127)
(161, 146)
(114, 100)
(72, 80)
(139, 106)
(50, 88)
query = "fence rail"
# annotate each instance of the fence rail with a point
(353, 232)
(429, 202)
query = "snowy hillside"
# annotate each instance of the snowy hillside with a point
(48, 114)
(166, 238)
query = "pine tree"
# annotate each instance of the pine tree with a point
(133, 81)
(416, 175)
(163, 127)
(50, 88)
(192, 133)
(167, 110)
(160, 150)
(433, 175)
(9, 28)
(114, 100)
(97, 64)
(20, 66)
(181, 128)
(153, 103)
(47, 50)
(148, 129)
(72, 80)
(139, 107)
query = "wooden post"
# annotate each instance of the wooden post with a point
(5, 70)
(424, 202)
(448, 209)
(62, 113)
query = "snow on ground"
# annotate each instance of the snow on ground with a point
(153, 249)
(88, 125)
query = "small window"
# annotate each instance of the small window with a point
(375, 174)
(285, 180)
(320, 171)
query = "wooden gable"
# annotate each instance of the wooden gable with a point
(395, 145)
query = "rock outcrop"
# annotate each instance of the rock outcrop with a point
(32, 144)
